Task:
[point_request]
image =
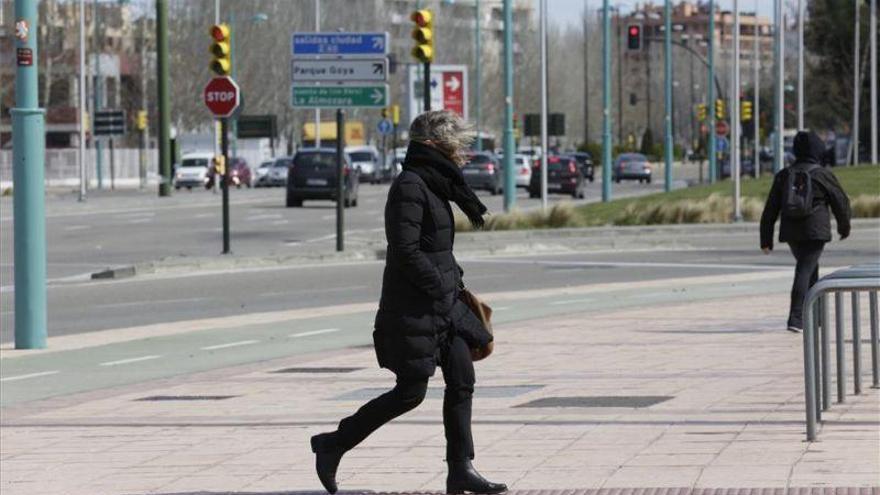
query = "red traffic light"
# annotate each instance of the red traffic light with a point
(220, 32)
(421, 17)
(633, 30)
(634, 37)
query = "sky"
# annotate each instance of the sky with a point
(569, 11)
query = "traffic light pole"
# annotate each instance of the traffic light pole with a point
(28, 169)
(224, 184)
(667, 83)
(711, 96)
(426, 80)
(509, 179)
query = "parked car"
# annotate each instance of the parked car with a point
(632, 166)
(261, 174)
(277, 175)
(193, 170)
(585, 162)
(523, 168)
(313, 175)
(483, 171)
(365, 159)
(563, 177)
(239, 174)
(746, 168)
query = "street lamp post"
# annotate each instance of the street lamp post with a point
(711, 96)
(857, 83)
(735, 140)
(97, 95)
(756, 117)
(28, 162)
(83, 177)
(509, 179)
(606, 102)
(667, 75)
(779, 119)
(478, 76)
(164, 104)
(873, 69)
(544, 104)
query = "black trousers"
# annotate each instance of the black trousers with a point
(458, 373)
(806, 273)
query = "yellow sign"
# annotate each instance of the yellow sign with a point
(354, 132)
(395, 114)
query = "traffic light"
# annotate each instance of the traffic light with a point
(746, 110)
(719, 110)
(423, 35)
(141, 120)
(701, 112)
(221, 60)
(385, 113)
(634, 37)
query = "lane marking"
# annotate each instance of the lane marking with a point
(130, 360)
(231, 344)
(313, 332)
(570, 301)
(314, 291)
(71, 228)
(25, 377)
(160, 301)
(637, 264)
(270, 216)
(140, 220)
(501, 308)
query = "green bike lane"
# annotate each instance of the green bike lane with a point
(27, 378)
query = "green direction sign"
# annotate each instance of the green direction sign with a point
(371, 95)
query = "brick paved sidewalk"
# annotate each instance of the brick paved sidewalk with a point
(707, 395)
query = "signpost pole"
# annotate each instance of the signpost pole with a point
(340, 181)
(28, 169)
(224, 185)
(112, 165)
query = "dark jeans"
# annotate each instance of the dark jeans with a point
(458, 373)
(806, 273)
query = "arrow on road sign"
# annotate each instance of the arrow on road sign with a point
(377, 95)
(378, 68)
(453, 84)
(379, 42)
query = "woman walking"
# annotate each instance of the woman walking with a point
(421, 321)
(801, 195)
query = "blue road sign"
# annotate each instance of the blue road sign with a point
(384, 127)
(722, 144)
(348, 44)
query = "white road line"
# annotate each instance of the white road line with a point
(570, 301)
(501, 308)
(231, 344)
(25, 377)
(271, 216)
(161, 301)
(637, 264)
(140, 220)
(313, 332)
(71, 228)
(130, 360)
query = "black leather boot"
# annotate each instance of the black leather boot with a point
(463, 478)
(327, 457)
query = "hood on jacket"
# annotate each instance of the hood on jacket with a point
(808, 147)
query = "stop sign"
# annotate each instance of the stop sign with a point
(221, 96)
(722, 128)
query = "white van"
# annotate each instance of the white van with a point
(366, 160)
(192, 170)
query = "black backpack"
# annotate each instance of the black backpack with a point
(797, 198)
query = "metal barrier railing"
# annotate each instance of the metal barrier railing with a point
(817, 345)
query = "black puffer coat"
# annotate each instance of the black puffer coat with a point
(419, 305)
(827, 192)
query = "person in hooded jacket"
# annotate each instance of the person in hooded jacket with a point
(807, 234)
(421, 322)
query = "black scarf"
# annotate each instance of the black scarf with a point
(444, 178)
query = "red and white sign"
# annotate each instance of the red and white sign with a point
(449, 89)
(222, 96)
(722, 128)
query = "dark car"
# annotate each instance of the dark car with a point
(239, 174)
(585, 162)
(313, 175)
(564, 176)
(746, 168)
(484, 172)
(632, 166)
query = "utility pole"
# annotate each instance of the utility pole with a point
(619, 78)
(586, 72)
(800, 67)
(779, 119)
(873, 68)
(735, 141)
(28, 169)
(544, 104)
(756, 117)
(667, 83)
(318, 110)
(509, 179)
(145, 132)
(606, 103)
(478, 51)
(164, 105)
(857, 84)
(713, 163)
(97, 94)
(83, 177)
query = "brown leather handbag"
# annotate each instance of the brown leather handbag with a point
(484, 313)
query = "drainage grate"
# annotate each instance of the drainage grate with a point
(499, 392)
(317, 370)
(633, 401)
(169, 398)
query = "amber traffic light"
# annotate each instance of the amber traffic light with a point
(423, 35)
(221, 52)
